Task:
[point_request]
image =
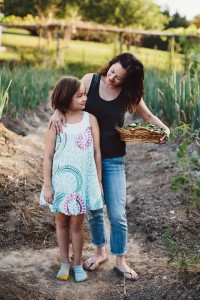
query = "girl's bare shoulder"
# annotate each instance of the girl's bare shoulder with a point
(93, 119)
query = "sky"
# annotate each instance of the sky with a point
(187, 8)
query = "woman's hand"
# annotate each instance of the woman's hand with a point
(48, 194)
(56, 121)
(165, 137)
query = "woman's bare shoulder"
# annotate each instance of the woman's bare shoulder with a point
(87, 80)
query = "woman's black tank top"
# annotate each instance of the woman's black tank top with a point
(110, 115)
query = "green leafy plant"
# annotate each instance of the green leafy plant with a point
(3, 96)
(187, 178)
(182, 256)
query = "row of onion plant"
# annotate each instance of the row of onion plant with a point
(175, 96)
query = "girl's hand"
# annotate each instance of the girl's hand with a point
(56, 121)
(48, 194)
(101, 187)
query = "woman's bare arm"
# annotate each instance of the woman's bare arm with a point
(56, 121)
(87, 79)
(147, 116)
(58, 118)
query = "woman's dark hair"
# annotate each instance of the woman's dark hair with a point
(63, 93)
(133, 85)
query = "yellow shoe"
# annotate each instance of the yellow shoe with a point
(63, 273)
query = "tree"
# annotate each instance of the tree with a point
(18, 8)
(123, 13)
(42, 8)
(55, 8)
(196, 21)
(175, 20)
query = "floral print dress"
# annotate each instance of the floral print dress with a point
(74, 174)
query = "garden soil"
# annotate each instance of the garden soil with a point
(29, 255)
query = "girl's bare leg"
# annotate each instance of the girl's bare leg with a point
(62, 232)
(77, 232)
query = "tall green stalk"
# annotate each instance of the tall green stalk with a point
(175, 96)
(30, 88)
(3, 96)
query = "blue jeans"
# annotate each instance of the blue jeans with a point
(114, 185)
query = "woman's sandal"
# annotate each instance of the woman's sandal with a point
(123, 274)
(92, 261)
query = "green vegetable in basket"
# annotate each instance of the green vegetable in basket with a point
(144, 124)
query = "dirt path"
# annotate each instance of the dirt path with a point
(29, 258)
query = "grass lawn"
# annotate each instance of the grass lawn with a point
(18, 38)
(74, 51)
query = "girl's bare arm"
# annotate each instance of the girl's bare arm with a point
(97, 150)
(50, 141)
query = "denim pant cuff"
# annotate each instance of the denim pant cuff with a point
(117, 254)
(98, 246)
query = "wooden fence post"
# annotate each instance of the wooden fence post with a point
(172, 50)
(120, 42)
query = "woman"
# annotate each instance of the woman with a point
(114, 90)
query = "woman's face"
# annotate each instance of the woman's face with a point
(116, 75)
(79, 99)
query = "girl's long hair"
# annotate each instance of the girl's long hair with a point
(133, 85)
(63, 93)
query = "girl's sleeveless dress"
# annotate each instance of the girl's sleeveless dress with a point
(74, 175)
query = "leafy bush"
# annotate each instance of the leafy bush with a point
(188, 162)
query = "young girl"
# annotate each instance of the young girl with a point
(72, 172)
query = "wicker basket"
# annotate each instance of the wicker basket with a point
(140, 134)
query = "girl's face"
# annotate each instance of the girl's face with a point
(116, 75)
(79, 99)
